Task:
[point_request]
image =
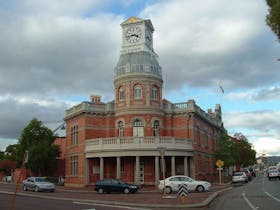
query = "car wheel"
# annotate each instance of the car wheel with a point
(100, 190)
(168, 190)
(36, 189)
(24, 188)
(126, 191)
(199, 188)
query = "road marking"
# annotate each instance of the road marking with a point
(272, 196)
(248, 202)
(108, 205)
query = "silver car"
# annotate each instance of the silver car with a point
(239, 177)
(38, 184)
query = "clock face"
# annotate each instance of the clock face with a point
(133, 34)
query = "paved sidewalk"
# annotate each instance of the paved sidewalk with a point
(146, 197)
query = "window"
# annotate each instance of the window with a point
(137, 92)
(154, 93)
(121, 93)
(122, 167)
(207, 166)
(121, 129)
(137, 123)
(74, 165)
(74, 135)
(206, 140)
(198, 135)
(156, 128)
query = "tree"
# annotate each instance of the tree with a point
(38, 141)
(247, 155)
(237, 151)
(226, 150)
(273, 18)
(11, 152)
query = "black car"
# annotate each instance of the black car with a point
(114, 185)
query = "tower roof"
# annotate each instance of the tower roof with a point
(138, 63)
(135, 19)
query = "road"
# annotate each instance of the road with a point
(27, 203)
(259, 194)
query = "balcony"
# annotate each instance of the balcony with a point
(137, 144)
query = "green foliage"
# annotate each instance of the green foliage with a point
(247, 155)
(273, 18)
(237, 152)
(11, 152)
(226, 150)
(1, 155)
(38, 140)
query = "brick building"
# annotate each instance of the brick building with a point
(124, 138)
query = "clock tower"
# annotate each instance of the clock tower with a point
(137, 35)
(138, 77)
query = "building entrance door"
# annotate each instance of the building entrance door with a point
(138, 131)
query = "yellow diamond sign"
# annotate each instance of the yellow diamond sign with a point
(219, 163)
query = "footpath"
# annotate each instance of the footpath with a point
(145, 197)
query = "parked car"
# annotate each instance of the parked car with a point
(38, 184)
(239, 177)
(273, 174)
(253, 172)
(248, 174)
(172, 184)
(115, 185)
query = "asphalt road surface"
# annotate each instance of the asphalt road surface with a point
(32, 203)
(259, 194)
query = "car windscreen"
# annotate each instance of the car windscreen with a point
(238, 174)
(40, 179)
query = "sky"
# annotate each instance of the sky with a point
(55, 54)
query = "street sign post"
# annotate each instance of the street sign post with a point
(220, 164)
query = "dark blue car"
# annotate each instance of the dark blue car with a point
(114, 185)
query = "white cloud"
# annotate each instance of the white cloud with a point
(267, 146)
(271, 93)
(260, 127)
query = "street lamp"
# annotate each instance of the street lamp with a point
(162, 152)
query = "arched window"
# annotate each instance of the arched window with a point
(121, 93)
(154, 93)
(137, 123)
(156, 128)
(121, 129)
(138, 128)
(137, 92)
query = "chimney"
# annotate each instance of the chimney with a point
(95, 99)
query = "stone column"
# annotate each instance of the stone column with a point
(186, 170)
(156, 170)
(173, 165)
(118, 167)
(137, 170)
(87, 171)
(101, 168)
(192, 169)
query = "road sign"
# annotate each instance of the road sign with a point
(183, 190)
(220, 163)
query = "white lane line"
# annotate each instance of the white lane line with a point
(272, 196)
(98, 204)
(248, 202)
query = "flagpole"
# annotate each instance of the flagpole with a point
(25, 160)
